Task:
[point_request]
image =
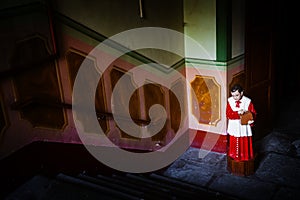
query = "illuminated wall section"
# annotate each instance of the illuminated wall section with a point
(217, 26)
(208, 81)
(200, 24)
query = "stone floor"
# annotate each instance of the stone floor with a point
(277, 175)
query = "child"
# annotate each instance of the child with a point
(240, 136)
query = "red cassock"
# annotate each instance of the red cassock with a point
(240, 136)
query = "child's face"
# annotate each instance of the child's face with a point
(237, 95)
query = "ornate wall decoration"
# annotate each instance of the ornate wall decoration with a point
(30, 51)
(37, 89)
(74, 61)
(154, 94)
(17, 22)
(134, 103)
(208, 93)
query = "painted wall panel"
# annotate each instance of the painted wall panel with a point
(200, 24)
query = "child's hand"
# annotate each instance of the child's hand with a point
(250, 121)
(240, 112)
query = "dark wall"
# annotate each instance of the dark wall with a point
(287, 51)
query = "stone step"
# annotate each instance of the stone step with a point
(118, 186)
(114, 193)
(190, 187)
(110, 183)
(173, 190)
(123, 181)
(150, 191)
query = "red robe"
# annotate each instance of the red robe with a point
(240, 136)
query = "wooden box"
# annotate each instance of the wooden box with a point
(246, 117)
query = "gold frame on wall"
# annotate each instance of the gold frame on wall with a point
(208, 93)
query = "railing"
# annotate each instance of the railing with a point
(20, 105)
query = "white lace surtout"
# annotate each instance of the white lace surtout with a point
(237, 130)
(234, 125)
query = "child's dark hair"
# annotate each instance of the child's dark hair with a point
(237, 87)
